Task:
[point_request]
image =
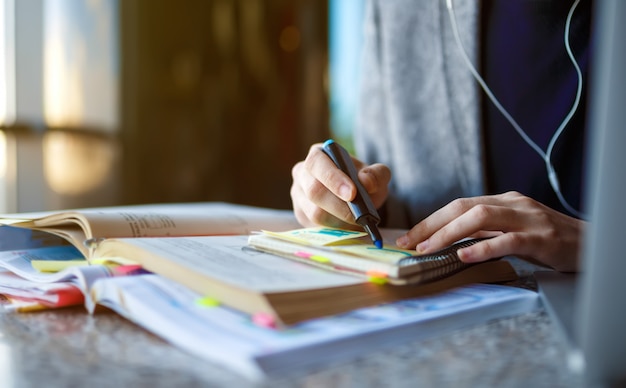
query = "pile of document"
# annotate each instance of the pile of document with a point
(38, 274)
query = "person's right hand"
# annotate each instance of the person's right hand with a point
(320, 190)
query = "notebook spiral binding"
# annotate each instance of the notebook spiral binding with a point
(442, 263)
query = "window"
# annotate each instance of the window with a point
(80, 57)
(7, 87)
(59, 103)
(346, 31)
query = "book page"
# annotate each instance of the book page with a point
(192, 219)
(83, 276)
(160, 220)
(19, 261)
(21, 295)
(228, 259)
(202, 218)
(228, 337)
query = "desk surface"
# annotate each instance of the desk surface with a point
(71, 348)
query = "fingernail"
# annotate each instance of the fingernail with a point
(345, 192)
(423, 246)
(465, 255)
(402, 242)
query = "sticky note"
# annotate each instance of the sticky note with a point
(207, 302)
(264, 320)
(113, 260)
(376, 274)
(376, 280)
(320, 259)
(131, 269)
(55, 265)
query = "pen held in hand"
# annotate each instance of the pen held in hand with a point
(361, 206)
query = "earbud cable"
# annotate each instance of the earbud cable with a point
(546, 156)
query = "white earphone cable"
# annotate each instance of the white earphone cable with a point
(546, 156)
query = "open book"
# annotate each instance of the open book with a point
(29, 237)
(265, 285)
(352, 252)
(159, 220)
(172, 240)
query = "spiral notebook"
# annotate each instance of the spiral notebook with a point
(351, 252)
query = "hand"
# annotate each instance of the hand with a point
(320, 190)
(522, 227)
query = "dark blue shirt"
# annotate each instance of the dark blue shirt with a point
(524, 62)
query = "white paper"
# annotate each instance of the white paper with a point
(228, 259)
(229, 338)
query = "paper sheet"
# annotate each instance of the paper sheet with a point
(230, 338)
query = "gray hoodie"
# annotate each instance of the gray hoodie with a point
(419, 110)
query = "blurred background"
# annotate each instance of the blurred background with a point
(113, 102)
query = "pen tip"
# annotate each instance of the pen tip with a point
(379, 244)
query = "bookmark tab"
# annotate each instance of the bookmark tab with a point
(207, 302)
(113, 261)
(126, 270)
(56, 265)
(377, 277)
(320, 259)
(377, 274)
(310, 256)
(264, 320)
(375, 280)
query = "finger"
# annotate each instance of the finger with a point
(375, 179)
(310, 214)
(506, 244)
(441, 217)
(453, 210)
(314, 203)
(300, 206)
(323, 169)
(476, 221)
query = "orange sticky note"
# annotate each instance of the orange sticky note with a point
(376, 274)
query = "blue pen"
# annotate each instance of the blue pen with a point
(361, 206)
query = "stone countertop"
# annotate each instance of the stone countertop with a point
(70, 348)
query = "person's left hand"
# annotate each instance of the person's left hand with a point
(520, 225)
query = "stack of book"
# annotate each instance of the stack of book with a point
(248, 276)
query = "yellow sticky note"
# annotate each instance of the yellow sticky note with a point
(376, 280)
(113, 261)
(320, 259)
(207, 302)
(55, 265)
